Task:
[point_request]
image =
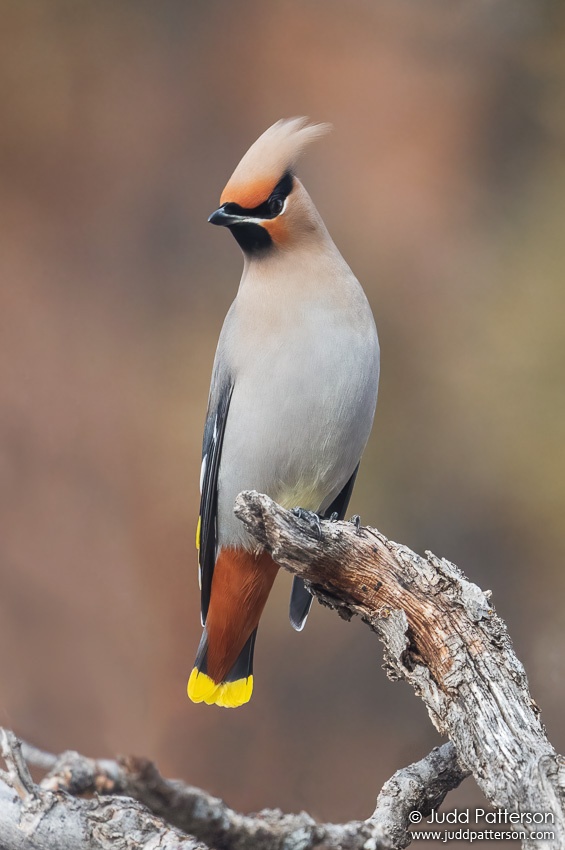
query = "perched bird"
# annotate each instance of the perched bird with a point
(292, 399)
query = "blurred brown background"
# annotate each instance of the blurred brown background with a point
(443, 184)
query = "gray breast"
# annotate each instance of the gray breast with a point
(301, 413)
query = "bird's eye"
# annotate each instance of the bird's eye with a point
(275, 206)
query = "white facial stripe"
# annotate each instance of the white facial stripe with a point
(248, 219)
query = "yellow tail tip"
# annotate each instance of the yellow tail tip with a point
(201, 688)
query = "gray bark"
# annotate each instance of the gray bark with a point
(34, 818)
(152, 812)
(442, 636)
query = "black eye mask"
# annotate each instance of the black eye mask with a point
(270, 208)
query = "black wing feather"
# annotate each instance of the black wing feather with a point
(341, 501)
(300, 596)
(211, 453)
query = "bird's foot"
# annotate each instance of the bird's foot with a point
(311, 518)
(356, 520)
(334, 517)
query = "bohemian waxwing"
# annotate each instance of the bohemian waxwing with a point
(292, 399)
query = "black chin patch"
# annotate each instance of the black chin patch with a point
(252, 238)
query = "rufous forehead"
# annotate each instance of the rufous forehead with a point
(248, 195)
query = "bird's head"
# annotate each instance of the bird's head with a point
(264, 204)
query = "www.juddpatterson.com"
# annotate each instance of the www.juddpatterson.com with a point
(515, 820)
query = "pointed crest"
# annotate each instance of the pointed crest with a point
(268, 159)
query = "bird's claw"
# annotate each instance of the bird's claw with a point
(356, 520)
(333, 517)
(311, 518)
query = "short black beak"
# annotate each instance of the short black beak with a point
(224, 219)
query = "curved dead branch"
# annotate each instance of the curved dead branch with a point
(441, 635)
(135, 807)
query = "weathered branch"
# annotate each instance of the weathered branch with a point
(443, 637)
(33, 818)
(440, 634)
(51, 816)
